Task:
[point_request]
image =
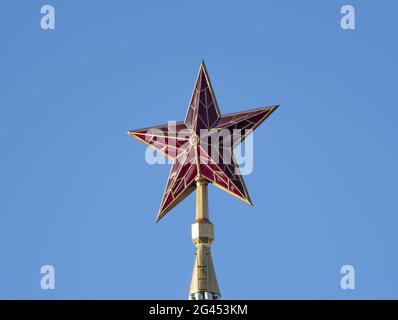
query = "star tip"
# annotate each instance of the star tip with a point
(132, 133)
(159, 217)
(247, 201)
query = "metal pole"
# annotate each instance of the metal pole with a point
(204, 282)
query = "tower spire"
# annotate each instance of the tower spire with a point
(195, 164)
(204, 284)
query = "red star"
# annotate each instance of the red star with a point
(196, 157)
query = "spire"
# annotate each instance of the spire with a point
(204, 284)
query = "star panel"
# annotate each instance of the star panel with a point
(220, 168)
(179, 184)
(247, 120)
(171, 140)
(203, 111)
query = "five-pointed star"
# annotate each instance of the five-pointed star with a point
(192, 150)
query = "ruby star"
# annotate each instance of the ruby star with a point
(191, 146)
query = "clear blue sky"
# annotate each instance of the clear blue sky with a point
(76, 192)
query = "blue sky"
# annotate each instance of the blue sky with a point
(76, 192)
